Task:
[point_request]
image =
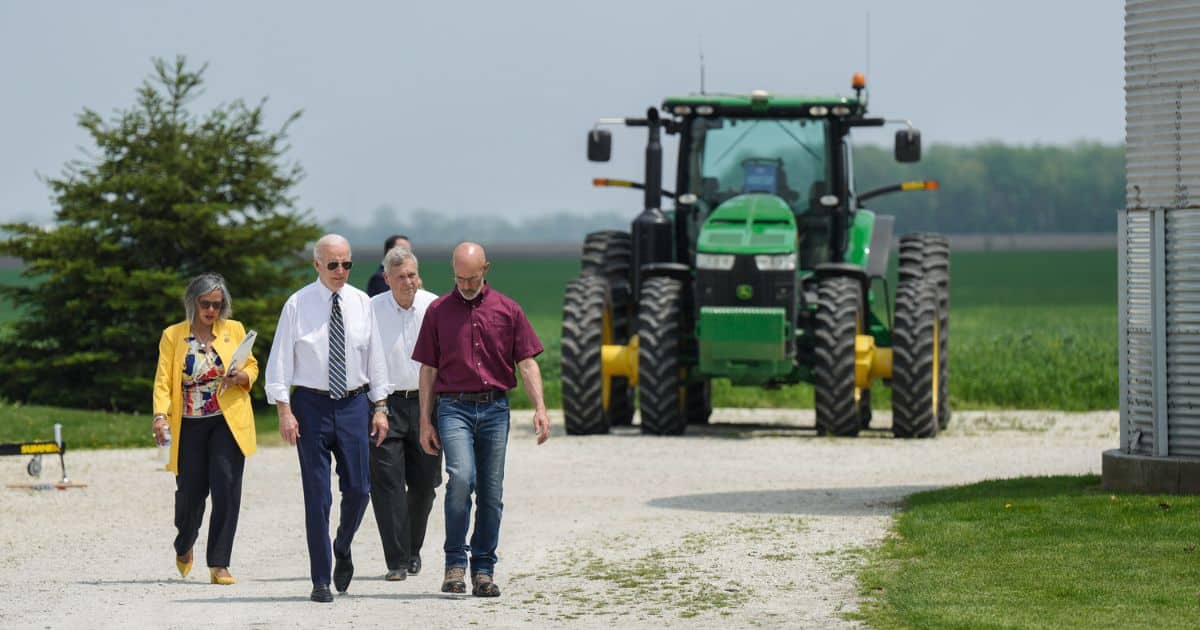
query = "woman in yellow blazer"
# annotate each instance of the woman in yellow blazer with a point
(207, 410)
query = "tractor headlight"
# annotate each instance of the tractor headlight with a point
(780, 262)
(720, 262)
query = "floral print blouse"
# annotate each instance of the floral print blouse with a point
(202, 372)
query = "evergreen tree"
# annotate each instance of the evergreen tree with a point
(165, 195)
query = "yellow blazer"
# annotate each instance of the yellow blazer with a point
(234, 401)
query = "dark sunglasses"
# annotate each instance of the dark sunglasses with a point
(205, 304)
(346, 264)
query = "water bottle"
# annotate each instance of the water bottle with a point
(164, 451)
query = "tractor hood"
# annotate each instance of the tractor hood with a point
(754, 223)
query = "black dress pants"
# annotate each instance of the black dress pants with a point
(209, 462)
(403, 478)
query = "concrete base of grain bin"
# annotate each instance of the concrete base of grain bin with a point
(1123, 472)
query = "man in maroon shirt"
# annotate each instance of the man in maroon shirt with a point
(470, 341)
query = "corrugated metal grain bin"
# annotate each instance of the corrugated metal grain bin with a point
(1159, 253)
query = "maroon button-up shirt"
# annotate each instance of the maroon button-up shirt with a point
(475, 345)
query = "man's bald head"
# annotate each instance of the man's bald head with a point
(470, 267)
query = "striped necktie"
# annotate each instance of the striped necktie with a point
(337, 351)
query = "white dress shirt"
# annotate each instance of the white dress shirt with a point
(300, 352)
(398, 330)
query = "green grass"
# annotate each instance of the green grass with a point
(81, 428)
(100, 429)
(1044, 552)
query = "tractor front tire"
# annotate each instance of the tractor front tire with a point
(582, 337)
(915, 364)
(839, 319)
(660, 386)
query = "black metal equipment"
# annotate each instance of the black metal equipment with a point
(36, 449)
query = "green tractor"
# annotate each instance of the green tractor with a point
(765, 272)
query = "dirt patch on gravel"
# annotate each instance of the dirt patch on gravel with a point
(753, 521)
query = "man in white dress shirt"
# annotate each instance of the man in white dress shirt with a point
(327, 377)
(403, 476)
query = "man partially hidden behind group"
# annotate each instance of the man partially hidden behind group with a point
(470, 341)
(377, 284)
(403, 477)
(326, 374)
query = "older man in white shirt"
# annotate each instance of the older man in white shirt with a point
(325, 373)
(403, 476)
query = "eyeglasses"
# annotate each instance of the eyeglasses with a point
(346, 264)
(205, 304)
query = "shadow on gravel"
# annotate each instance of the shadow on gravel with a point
(172, 581)
(747, 430)
(304, 598)
(876, 501)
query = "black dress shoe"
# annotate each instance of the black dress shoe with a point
(396, 575)
(321, 594)
(343, 571)
(414, 565)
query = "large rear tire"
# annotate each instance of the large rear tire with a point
(660, 386)
(915, 361)
(926, 256)
(839, 319)
(584, 303)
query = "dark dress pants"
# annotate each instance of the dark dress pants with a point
(209, 462)
(338, 428)
(403, 479)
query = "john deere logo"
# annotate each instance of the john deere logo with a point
(745, 292)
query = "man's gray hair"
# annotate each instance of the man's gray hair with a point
(326, 241)
(397, 256)
(204, 284)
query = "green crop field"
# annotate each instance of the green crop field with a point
(1033, 330)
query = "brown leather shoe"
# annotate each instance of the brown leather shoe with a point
(483, 586)
(454, 580)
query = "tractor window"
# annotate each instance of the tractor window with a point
(733, 156)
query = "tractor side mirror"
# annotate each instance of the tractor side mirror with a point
(599, 145)
(908, 145)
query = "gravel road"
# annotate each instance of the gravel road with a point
(752, 521)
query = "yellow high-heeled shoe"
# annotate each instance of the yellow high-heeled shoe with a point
(224, 580)
(184, 567)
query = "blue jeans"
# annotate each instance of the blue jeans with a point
(474, 439)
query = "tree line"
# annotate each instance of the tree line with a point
(1001, 189)
(984, 189)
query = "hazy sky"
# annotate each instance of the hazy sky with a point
(482, 107)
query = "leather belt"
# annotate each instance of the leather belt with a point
(407, 393)
(324, 392)
(488, 396)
